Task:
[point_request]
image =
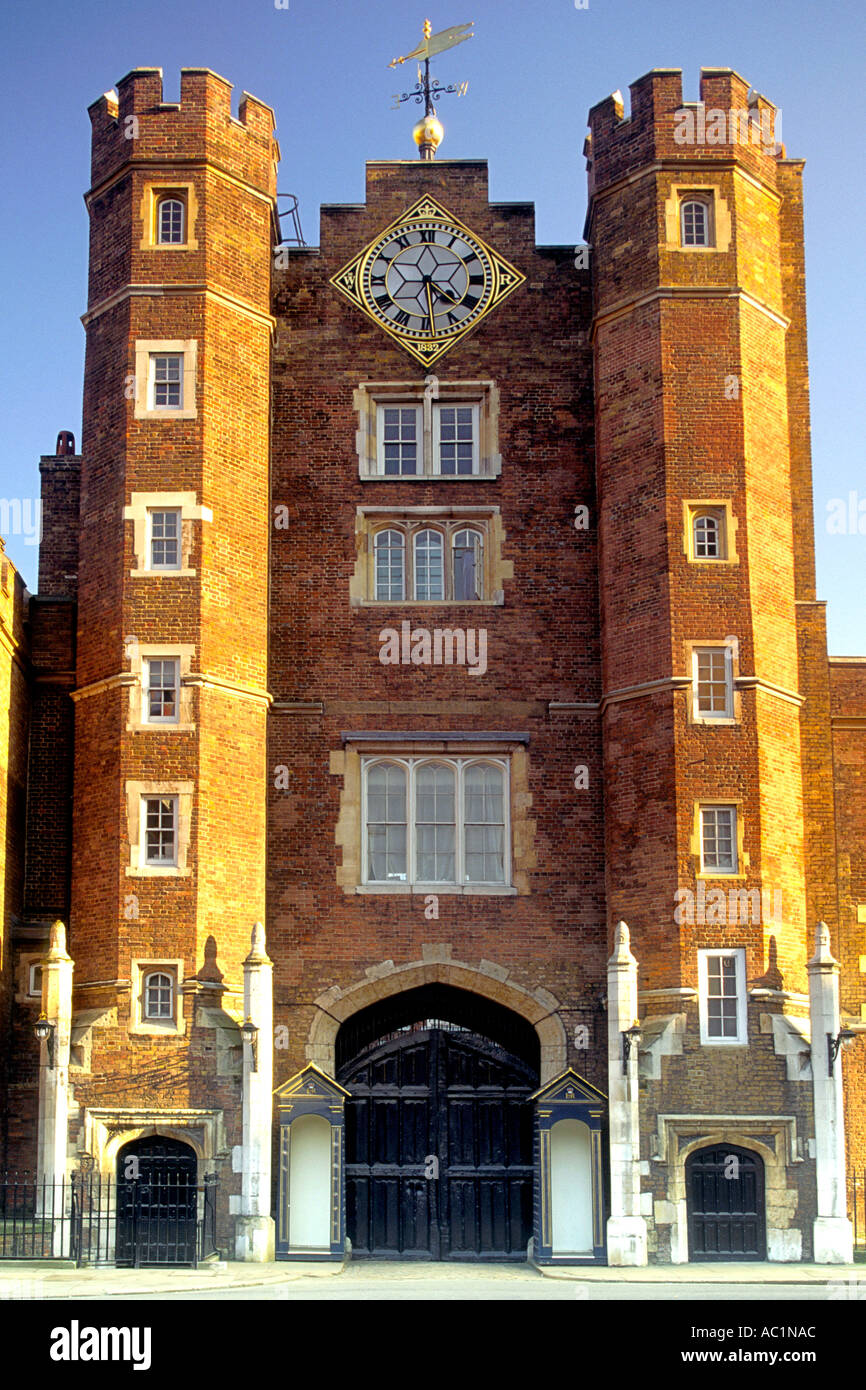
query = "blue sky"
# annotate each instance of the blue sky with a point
(534, 69)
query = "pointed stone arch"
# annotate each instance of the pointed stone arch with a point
(538, 1007)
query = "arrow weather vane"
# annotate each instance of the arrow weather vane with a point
(428, 133)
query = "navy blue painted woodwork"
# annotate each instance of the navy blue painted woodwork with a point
(439, 1147)
(725, 1202)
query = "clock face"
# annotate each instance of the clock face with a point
(427, 280)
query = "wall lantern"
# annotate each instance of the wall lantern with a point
(250, 1035)
(630, 1038)
(44, 1030)
(845, 1035)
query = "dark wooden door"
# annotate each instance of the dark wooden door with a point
(725, 1201)
(439, 1148)
(156, 1203)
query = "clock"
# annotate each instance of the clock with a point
(427, 280)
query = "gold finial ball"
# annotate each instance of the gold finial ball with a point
(428, 28)
(429, 131)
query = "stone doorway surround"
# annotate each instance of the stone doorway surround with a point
(773, 1137)
(538, 1007)
(107, 1129)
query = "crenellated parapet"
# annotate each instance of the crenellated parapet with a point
(730, 121)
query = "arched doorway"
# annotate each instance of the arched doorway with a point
(156, 1203)
(439, 1161)
(725, 1204)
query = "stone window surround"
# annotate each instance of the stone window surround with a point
(139, 652)
(496, 571)
(347, 763)
(691, 507)
(369, 395)
(710, 720)
(141, 504)
(135, 793)
(145, 348)
(141, 967)
(408, 761)
(106, 1129)
(695, 848)
(152, 195)
(680, 1135)
(719, 215)
(742, 1037)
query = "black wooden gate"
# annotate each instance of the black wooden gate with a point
(725, 1201)
(439, 1147)
(157, 1200)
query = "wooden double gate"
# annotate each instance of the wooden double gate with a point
(439, 1147)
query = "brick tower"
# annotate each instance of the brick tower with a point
(713, 720)
(170, 700)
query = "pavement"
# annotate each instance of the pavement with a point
(40, 1280)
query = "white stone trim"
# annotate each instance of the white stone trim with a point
(135, 791)
(147, 965)
(138, 653)
(680, 1135)
(107, 1129)
(145, 348)
(138, 510)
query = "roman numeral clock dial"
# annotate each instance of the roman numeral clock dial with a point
(427, 280)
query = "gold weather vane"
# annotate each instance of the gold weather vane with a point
(428, 132)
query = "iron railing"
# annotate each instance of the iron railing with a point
(158, 1219)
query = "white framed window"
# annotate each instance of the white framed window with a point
(432, 820)
(159, 831)
(34, 981)
(399, 439)
(165, 381)
(170, 221)
(429, 564)
(455, 440)
(158, 996)
(165, 371)
(718, 838)
(722, 996)
(156, 999)
(162, 694)
(164, 538)
(428, 439)
(389, 552)
(713, 682)
(695, 222)
(708, 536)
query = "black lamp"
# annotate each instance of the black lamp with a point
(44, 1030)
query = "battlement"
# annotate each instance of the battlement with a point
(730, 120)
(134, 124)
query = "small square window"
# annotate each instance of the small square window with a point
(165, 539)
(34, 981)
(163, 690)
(722, 996)
(160, 831)
(713, 687)
(718, 839)
(166, 381)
